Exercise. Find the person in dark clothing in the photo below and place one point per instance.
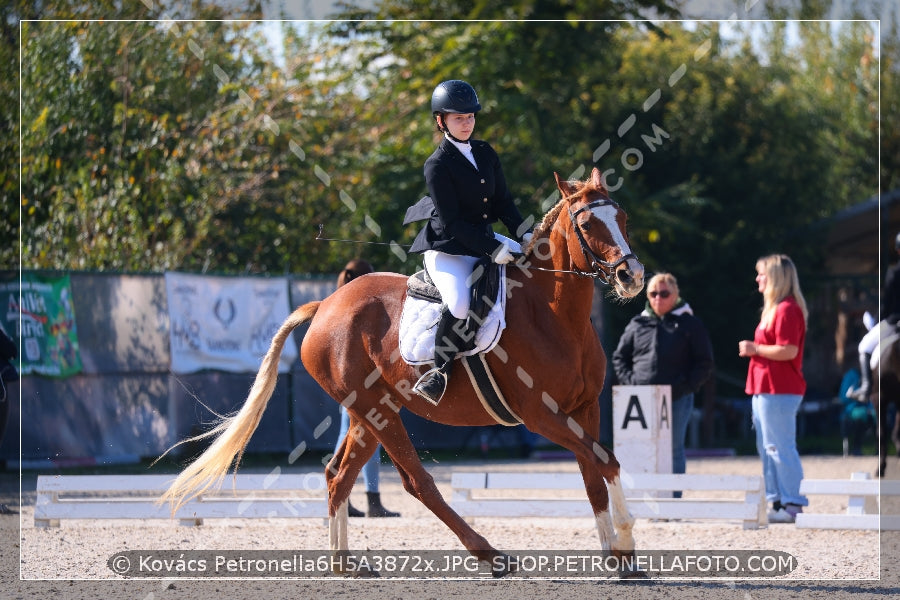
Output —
(890, 297)
(666, 345)
(8, 375)
(467, 193)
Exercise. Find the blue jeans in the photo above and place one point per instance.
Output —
(371, 468)
(681, 417)
(775, 422)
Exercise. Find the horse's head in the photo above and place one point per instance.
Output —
(600, 245)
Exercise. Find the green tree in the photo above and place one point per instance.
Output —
(111, 132)
(721, 150)
(148, 148)
(889, 63)
(747, 163)
(538, 104)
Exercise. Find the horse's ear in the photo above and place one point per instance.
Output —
(597, 180)
(562, 184)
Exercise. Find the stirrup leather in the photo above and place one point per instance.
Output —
(432, 385)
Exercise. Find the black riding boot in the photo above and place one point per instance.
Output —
(447, 343)
(865, 378)
(375, 507)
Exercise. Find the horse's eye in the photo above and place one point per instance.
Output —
(585, 226)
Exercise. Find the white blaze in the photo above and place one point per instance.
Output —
(607, 214)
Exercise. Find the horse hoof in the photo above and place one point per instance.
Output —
(633, 574)
(364, 573)
(502, 567)
(346, 564)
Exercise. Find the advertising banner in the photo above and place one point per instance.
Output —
(41, 311)
(226, 323)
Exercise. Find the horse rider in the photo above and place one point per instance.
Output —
(467, 193)
(890, 315)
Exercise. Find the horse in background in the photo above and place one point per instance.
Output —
(549, 364)
(885, 393)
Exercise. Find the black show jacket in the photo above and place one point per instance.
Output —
(464, 202)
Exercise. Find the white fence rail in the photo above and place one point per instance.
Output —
(275, 495)
(504, 494)
(863, 503)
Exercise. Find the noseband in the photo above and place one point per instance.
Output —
(600, 269)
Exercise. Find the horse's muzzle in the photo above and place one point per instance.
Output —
(629, 278)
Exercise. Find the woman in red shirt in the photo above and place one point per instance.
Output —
(775, 381)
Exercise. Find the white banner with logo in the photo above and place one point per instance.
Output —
(226, 323)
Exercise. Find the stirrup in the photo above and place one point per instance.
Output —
(432, 385)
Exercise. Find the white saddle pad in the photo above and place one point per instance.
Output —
(420, 318)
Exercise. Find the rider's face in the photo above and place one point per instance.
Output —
(460, 126)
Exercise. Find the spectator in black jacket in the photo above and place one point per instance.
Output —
(372, 469)
(8, 375)
(666, 345)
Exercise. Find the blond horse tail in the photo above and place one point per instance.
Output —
(233, 432)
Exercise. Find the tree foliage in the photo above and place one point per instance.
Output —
(192, 145)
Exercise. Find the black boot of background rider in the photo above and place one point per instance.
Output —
(354, 512)
(375, 507)
(865, 377)
(447, 342)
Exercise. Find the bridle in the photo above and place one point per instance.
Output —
(600, 269)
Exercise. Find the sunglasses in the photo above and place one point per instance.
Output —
(662, 294)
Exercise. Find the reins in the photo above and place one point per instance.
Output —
(325, 239)
(597, 264)
(320, 237)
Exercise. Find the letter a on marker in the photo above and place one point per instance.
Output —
(664, 413)
(634, 412)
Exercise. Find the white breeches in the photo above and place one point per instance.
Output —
(870, 341)
(450, 273)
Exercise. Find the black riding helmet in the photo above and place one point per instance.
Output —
(454, 96)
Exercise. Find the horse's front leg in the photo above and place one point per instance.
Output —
(615, 524)
(601, 473)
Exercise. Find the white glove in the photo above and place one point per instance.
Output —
(503, 255)
(526, 238)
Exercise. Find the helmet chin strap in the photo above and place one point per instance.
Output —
(454, 138)
(446, 131)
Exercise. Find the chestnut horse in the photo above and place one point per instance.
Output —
(549, 364)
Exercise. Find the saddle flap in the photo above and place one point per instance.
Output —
(484, 290)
